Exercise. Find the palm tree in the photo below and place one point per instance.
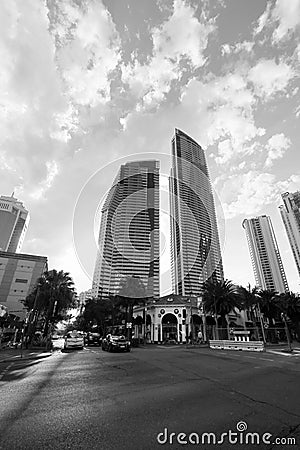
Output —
(220, 298)
(270, 305)
(52, 296)
(290, 305)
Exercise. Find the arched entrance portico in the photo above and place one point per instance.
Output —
(169, 327)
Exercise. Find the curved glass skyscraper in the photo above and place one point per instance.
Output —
(129, 231)
(195, 245)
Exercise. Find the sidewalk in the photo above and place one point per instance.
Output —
(11, 354)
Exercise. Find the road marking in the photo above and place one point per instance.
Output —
(252, 357)
(169, 346)
(2, 374)
(279, 353)
(267, 359)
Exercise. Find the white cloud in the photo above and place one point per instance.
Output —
(276, 147)
(89, 50)
(182, 35)
(283, 17)
(269, 78)
(249, 193)
(263, 19)
(246, 46)
(287, 13)
(180, 38)
(52, 171)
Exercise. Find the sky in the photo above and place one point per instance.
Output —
(88, 85)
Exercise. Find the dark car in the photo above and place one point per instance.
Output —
(113, 343)
(93, 339)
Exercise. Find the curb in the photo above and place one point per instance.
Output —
(18, 357)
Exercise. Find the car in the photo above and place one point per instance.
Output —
(74, 339)
(113, 343)
(93, 338)
(57, 341)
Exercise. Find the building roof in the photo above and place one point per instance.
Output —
(22, 256)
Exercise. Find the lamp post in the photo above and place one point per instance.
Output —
(287, 332)
(216, 319)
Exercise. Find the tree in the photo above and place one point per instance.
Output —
(220, 298)
(290, 306)
(270, 306)
(97, 312)
(132, 292)
(52, 296)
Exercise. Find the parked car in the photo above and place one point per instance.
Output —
(93, 339)
(113, 343)
(57, 341)
(74, 339)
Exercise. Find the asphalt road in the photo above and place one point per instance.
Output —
(91, 399)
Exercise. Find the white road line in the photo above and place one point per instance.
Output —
(267, 359)
(5, 370)
(279, 353)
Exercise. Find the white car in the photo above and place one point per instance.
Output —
(74, 339)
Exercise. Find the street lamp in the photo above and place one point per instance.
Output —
(287, 331)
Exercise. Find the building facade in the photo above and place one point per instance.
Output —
(18, 275)
(14, 219)
(195, 245)
(264, 252)
(175, 319)
(290, 214)
(128, 242)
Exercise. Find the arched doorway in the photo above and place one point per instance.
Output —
(138, 327)
(169, 327)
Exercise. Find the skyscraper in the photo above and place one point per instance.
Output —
(195, 246)
(129, 231)
(14, 220)
(290, 213)
(265, 257)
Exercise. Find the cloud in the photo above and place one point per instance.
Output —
(287, 13)
(181, 38)
(249, 193)
(276, 147)
(32, 105)
(263, 19)
(238, 47)
(269, 78)
(88, 49)
(283, 17)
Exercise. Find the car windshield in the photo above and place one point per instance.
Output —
(118, 338)
(74, 334)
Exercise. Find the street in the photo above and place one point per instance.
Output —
(90, 399)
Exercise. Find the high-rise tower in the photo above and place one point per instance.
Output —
(129, 231)
(264, 252)
(195, 245)
(290, 213)
(14, 220)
